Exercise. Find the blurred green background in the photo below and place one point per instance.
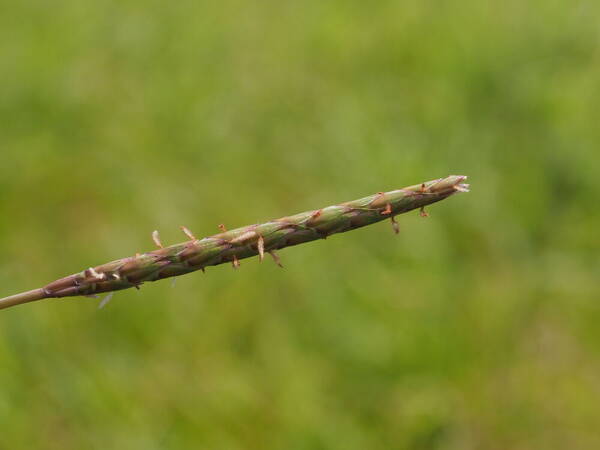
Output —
(474, 329)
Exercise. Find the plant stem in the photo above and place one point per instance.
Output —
(24, 297)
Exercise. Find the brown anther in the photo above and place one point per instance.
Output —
(261, 248)
(276, 258)
(422, 212)
(395, 225)
(235, 262)
(188, 233)
(423, 188)
(156, 239)
(222, 227)
(387, 210)
(203, 269)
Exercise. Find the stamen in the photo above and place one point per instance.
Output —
(395, 225)
(261, 248)
(156, 239)
(105, 300)
(96, 275)
(188, 233)
(276, 258)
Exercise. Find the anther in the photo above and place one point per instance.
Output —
(261, 248)
(378, 196)
(156, 239)
(276, 258)
(423, 213)
(316, 214)
(461, 187)
(395, 225)
(105, 300)
(387, 210)
(235, 262)
(222, 227)
(188, 233)
(96, 275)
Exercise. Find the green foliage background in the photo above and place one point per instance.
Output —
(474, 329)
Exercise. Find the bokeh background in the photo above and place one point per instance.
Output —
(477, 328)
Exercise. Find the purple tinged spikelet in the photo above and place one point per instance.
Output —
(234, 245)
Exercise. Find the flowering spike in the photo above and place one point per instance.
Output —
(156, 239)
(245, 242)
